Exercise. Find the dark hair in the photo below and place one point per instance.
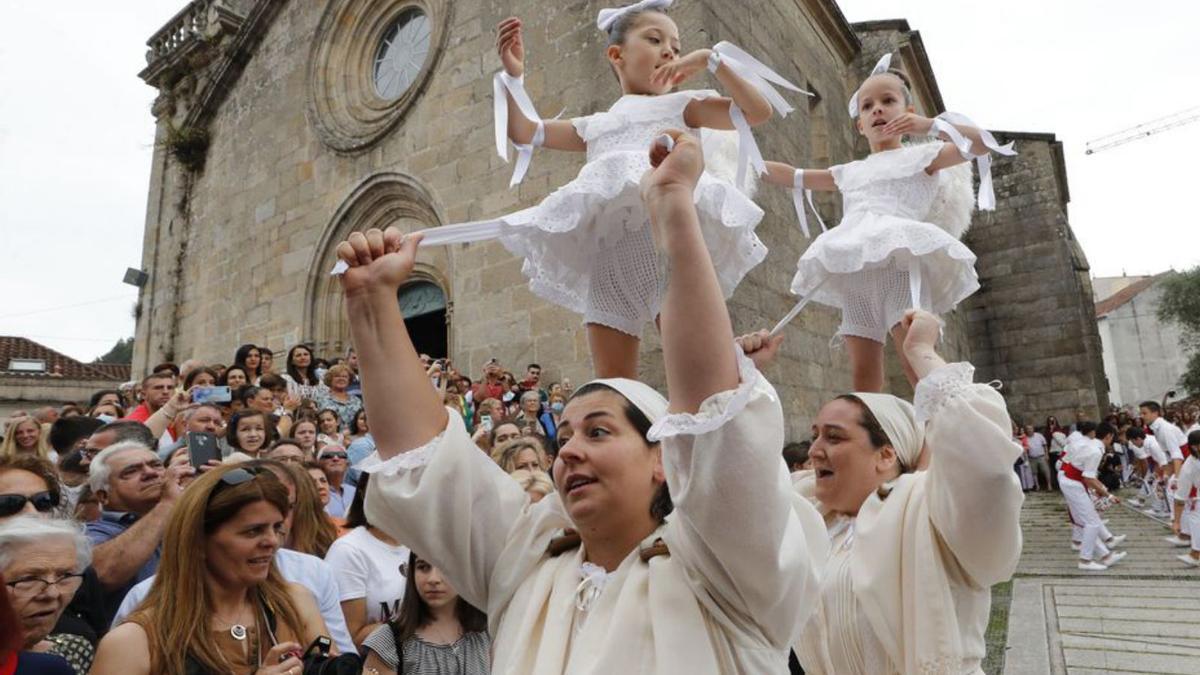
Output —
(1138, 432)
(247, 393)
(661, 505)
(245, 413)
(309, 374)
(191, 376)
(272, 381)
(1104, 429)
(626, 22)
(796, 454)
(356, 515)
(875, 432)
(414, 613)
(265, 351)
(166, 367)
(354, 428)
(96, 396)
(67, 431)
(1152, 406)
(532, 365)
(286, 440)
(1193, 442)
(158, 375)
(129, 430)
(1085, 427)
(239, 360)
(224, 379)
(42, 468)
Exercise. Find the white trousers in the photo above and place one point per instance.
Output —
(1092, 533)
(1189, 523)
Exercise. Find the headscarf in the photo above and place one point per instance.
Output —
(643, 397)
(899, 422)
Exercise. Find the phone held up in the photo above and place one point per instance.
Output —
(202, 448)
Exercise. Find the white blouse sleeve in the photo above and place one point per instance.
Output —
(737, 527)
(974, 496)
(452, 504)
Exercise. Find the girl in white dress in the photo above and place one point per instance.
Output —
(721, 584)
(923, 513)
(886, 256)
(588, 245)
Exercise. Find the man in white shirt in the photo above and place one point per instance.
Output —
(300, 568)
(1039, 459)
(1169, 436)
(1078, 475)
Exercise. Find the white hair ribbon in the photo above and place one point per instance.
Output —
(798, 196)
(944, 123)
(609, 16)
(881, 66)
(501, 83)
(748, 152)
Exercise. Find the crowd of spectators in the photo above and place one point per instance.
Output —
(134, 525)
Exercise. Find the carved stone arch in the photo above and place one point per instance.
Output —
(378, 201)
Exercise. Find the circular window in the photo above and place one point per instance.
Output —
(370, 61)
(401, 54)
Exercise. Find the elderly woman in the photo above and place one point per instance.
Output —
(336, 397)
(634, 591)
(228, 610)
(521, 453)
(907, 588)
(43, 561)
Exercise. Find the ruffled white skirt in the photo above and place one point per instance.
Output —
(874, 267)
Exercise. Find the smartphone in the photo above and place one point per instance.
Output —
(211, 395)
(202, 448)
(486, 422)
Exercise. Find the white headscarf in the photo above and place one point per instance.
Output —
(643, 397)
(899, 422)
(607, 17)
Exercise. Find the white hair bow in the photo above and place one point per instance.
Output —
(880, 67)
(609, 16)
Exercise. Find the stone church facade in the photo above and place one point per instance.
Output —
(274, 142)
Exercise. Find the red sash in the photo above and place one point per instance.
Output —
(1072, 472)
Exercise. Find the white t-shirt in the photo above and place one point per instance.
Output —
(1169, 437)
(366, 567)
(1037, 445)
(1156, 452)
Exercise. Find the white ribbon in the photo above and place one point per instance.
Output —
(608, 17)
(798, 195)
(514, 86)
(796, 309)
(881, 66)
(594, 581)
(944, 123)
(748, 152)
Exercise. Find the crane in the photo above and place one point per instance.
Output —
(1143, 130)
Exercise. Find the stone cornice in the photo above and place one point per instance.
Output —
(832, 24)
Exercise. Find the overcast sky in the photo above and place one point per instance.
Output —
(76, 135)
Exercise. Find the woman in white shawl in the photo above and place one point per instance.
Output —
(721, 585)
(923, 511)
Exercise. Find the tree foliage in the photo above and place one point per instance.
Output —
(122, 352)
(1180, 304)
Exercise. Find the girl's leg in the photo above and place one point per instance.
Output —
(866, 363)
(899, 332)
(614, 354)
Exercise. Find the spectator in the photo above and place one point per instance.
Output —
(533, 381)
(303, 380)
(367, 562)
(266, 364)
(108, 411)
(437, 631)
(315, 472)
(1039, 457)
(137, 495)
(203, 611)
(333, 461)
(795, 456)
(234, 377)
(521, 453)
(249, 359)
(359, 428)
(24, 436)
(311, 529)
(156, 391)
(490, 386)
(72, 476)
(536, 483)
(14, 660)
(286, 450)
(71, 433)
(46, 415)
(250, 431)
(503, 433)
(202, 376)
(105, 396)
(305, 433)
(329, 428)
(531, 416)
(43, 561)
(335, 397)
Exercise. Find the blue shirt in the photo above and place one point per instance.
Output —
(339, 504)
(111, 525)
(360, 449)
(306, 570)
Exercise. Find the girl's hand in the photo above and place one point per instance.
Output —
(760, 347)
(679, 70)
(377, 260)
(908, 123)
(511, 46)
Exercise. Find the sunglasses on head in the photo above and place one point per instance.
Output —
(334, 455)
(12, 504)
(243, 474)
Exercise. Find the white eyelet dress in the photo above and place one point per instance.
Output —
(885, 257)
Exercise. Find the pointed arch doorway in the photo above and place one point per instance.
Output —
(423, 304)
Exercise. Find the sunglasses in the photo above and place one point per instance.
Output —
(334, 455)
(234, 478)
(12, 504)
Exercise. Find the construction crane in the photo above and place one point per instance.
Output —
(1143, 130)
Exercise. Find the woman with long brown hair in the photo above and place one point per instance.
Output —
(312, 531)
(218, 603)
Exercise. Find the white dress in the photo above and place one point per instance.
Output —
(727, 598)
(885, 257)
(907, 588)
(588, 245)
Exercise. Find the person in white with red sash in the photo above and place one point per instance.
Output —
(1078, 474)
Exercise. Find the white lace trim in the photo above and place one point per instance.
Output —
(405, 461)
(715, 411)
(938, 388)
